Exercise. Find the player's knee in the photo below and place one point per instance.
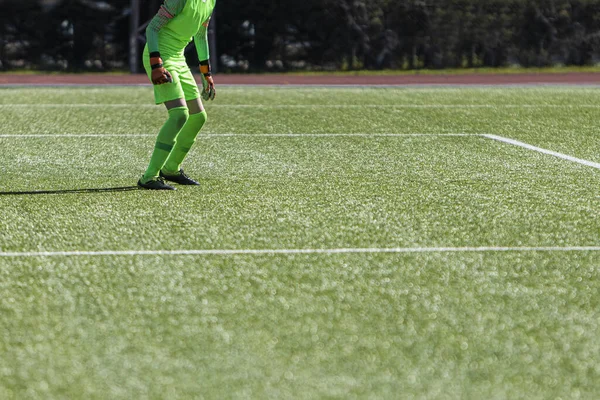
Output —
(179, 115)
(181, 118)
(199, 118)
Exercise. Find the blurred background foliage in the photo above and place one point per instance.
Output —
(283, 35)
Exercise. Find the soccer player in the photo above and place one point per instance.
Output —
(168, 34)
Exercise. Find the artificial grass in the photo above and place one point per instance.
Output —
(479, 324)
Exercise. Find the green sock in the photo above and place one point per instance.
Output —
(165, 141)
(185, 140)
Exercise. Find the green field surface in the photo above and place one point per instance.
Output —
(352, 243)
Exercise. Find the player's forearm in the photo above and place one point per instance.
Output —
(201, 42)
(152, 39)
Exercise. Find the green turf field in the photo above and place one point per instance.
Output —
(345, 243)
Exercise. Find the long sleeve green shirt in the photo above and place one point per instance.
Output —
(177, 23)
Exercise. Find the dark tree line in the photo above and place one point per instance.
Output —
(317, 34)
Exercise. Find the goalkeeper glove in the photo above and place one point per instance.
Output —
(208, 84)
(159, 74)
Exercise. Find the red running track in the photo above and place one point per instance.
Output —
(284, 79)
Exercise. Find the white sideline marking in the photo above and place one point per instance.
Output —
(77, 135)
(71, 135)
(226, 252)
(218, 135)
(365, 135)
(112, 105)
(544, 151)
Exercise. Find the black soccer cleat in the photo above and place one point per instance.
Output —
(155, 184)
(179, 178)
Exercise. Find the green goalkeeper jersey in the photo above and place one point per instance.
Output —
(176, 24)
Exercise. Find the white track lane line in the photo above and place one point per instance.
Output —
(228, 252)
(544, 151)
(239, 135)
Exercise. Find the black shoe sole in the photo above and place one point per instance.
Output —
(179, 180)
(155, 185)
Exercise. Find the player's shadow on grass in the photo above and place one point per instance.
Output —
(92, 190)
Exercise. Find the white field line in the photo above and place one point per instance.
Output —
(306, 135)
(228, 252)
(275, 106)
(544, 151)
(76, 135)
(238, 135)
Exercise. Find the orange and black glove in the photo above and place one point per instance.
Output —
(208, 84)
(159, 74)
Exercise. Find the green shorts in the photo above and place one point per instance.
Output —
(184, 85)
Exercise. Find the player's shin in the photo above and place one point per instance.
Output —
(165, 141)
(185, 140)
